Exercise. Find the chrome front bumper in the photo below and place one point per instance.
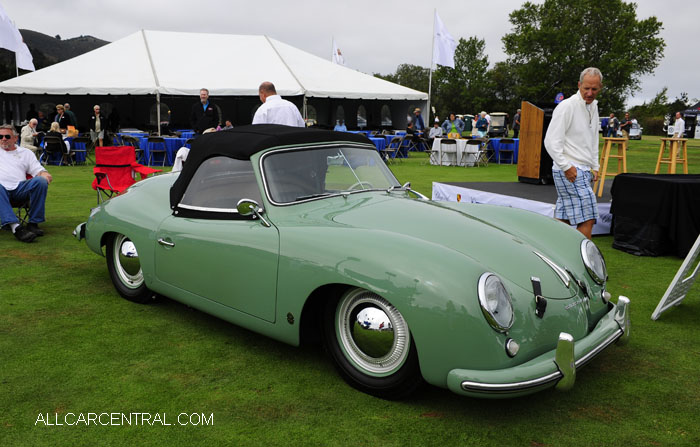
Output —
(555, 368)
(79, 231)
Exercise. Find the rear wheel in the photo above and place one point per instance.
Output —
(371, 345)
(125, 269)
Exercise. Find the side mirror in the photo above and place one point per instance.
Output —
(249, 207)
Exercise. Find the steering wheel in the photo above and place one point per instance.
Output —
(361, 183)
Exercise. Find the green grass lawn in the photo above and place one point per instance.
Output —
(70, 344)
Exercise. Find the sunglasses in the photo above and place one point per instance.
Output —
(6, 136)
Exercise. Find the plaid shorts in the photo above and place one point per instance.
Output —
(576, 202)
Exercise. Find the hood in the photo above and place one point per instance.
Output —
(494, 247)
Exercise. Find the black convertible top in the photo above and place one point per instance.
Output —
(242, 142)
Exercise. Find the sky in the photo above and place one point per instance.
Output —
(375, 36)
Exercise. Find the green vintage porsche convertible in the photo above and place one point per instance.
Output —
(290, 232)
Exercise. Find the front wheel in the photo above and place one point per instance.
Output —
(125, 269)
(371, 345)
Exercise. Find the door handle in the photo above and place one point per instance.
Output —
(162, 241)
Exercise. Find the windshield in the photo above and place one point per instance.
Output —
(305, 174)
(498, 120)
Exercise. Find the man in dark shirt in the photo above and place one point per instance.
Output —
(626, 126)
(205, 113)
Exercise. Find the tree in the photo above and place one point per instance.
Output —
(462, 89)
(411, 76)
(501, 84)
(553, 42)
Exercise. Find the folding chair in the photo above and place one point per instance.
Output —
(510, 142)
(80, 146)
(21, 207)
(128, 140)
(153, 142)
(55, 145)
(448, 146)
(480, 147)
(115, 170)
(432, 156)
(391, 151)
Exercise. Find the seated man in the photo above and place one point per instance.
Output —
(15, 164)
(29, 134)
(435, 132)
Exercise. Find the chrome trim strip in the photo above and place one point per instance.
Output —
(597, 350)
(510, 387)
(204, 208)
(561, 273)
(368, 146)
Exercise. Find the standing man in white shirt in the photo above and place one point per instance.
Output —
(275, 110)
(679, 126)
(572, 142)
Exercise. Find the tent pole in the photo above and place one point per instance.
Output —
(304, 108)
(432, 56)
(158, 111)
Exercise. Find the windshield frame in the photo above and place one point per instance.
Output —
(320, 146)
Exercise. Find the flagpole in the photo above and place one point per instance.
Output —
(432, 56)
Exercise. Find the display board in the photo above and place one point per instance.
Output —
(682, 282)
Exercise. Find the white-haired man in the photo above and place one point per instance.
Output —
(572, 142)
(28, 135)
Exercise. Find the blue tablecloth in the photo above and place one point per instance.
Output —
(380, 143)
(495, 144)
(186, 133)
(172, 144)
(79, 156)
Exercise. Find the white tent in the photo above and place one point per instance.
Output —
(176, 63)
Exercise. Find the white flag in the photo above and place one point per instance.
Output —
(445, 45)
(11, 39)
(24, 58)
(337, 57)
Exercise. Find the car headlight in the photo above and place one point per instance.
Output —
(594, 262)
(495, 302)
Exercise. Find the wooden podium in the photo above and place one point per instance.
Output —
(534, 163)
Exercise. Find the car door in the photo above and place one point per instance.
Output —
(207, 249)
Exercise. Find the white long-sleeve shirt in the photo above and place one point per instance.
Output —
(679, 128)
(276, 110)
(572, 135)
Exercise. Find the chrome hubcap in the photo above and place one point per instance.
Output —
(372, 333)
(126, 262)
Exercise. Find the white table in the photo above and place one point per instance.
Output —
(466, 154)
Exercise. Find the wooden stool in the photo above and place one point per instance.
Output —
(673, 155)
(605, 157)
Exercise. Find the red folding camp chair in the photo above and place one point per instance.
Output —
(115, 170)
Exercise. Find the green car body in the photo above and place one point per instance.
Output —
(425, 258)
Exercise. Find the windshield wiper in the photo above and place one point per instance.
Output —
(313, 196)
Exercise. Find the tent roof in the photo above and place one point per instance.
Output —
(177, 63)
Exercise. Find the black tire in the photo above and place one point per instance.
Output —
(376, 356)
(125, 269)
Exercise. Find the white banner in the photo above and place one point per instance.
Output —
(445, 45)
